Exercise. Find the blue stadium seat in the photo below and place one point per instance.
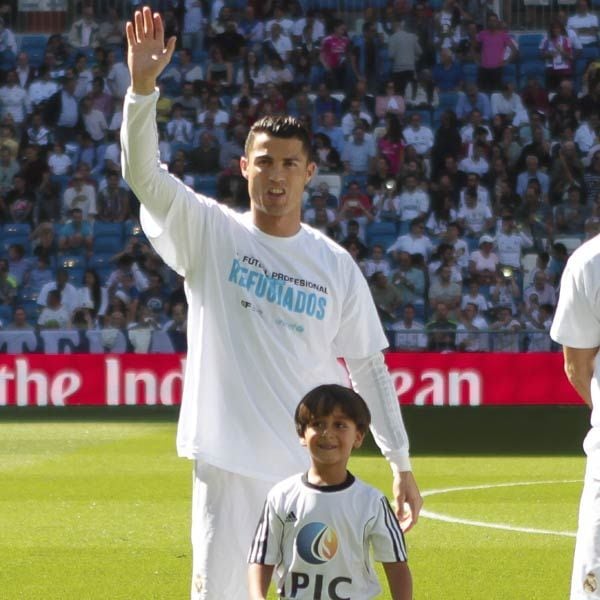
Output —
(16, 230)
(383, 233)
(112, 230)
(590, 52)
(107, 245)
(448, 100)
(581, 65)
(32, 310)
(6, 314)
(470, 73)
(528, 68)
(102, 264)
(206, 185)
(509, 74)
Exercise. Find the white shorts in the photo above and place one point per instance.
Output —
(226, 508)
(585, 582)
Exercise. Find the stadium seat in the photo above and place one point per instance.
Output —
(102, 264)
(590, 52)
(6, 314)
(383, 233)
(448, 100)
(16, 230)
(112, 230)
(509, 74)
(107, 245)
(206, 185)
(571, 243)
(470, 73)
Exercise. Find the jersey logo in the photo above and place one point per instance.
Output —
(291, 517)
(317, 543)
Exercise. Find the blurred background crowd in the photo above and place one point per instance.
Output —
(458, 158)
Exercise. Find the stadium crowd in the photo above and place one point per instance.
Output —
(458, 161)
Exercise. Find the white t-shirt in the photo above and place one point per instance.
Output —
(475, 217)
(474, 338)
(412, 336)
(421, 138)
(59, 164)
(510, 247)
(482, 262)
(577, 319)
(413, 245)
(412, 204)
(577, 22)
(268, 316)
(307, 530)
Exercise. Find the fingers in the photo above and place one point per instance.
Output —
(129, 31)
(159, 33)
(139, 26)
(148, 23)
(170, 47)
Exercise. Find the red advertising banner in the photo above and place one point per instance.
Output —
(156, 379)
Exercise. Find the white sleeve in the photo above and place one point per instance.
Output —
(386, 537)
(371, 379)
(266, 544)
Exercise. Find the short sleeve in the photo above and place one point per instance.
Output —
(360, 333)
(577, 320)
(266, 545)
(386, 537)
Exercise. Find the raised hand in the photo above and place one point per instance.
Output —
(147, 54)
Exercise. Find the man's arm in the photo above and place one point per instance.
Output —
(259, 578)
(372, 380)
(579, 368)
(399, 579)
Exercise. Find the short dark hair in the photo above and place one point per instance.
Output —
(322, 401)
(280, 126)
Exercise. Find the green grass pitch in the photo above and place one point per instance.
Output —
(94, 504)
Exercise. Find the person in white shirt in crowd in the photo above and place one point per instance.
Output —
(279, 42)
(507, 102)
(59, 162)
(473, 184)
(584, 23)
(587, 135)
(474, 296)
(42, 88)
(443, 289)
(467, 132)
(359, 155)
(413, 202)
(475, 217)
(354, 118)
(543, 291)
(68, 292)
(25, 72)
(54, 315)
(317, 27)
(192, 36)
(532, 172)
(93, 295)
(538, 317)
(80, 195)
(186, 70)
(418, 135)
(471, 332)
(461, 248)
(377, 261)
(506, 291)
(506, 329)
(214, 109)
(318, 203)
(280, 18)
(483, 262)
(414, 242)
(84, 31)
(118, 78)
(14, 100)
(510, 241)
(179, 129)
(408, 333)
(385, 202)
(8, 44)
(275, 71)
(476, 161)
(94, 120)
(444, 256)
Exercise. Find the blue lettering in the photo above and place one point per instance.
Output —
(242, 279)
(279, 292)
(311, 305)
(235, 269)
(300, 302)
(261, 286)
(322, 303)
(250, 281)
(288, 299)
(272, 291)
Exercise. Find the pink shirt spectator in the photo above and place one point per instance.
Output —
(493, 45)
(393, 152)
(333, 50)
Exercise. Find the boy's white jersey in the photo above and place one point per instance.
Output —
(319, 538)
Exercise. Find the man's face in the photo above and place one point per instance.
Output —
(20, 317)
(540, 281)
(469, 312)
(409, 314)
(277, 171)
(472, 182)
(442, 311)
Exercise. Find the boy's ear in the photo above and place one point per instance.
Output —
(360, 436)
(302, 441)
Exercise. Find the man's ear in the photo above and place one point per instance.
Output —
(244, 166)
(311, 169)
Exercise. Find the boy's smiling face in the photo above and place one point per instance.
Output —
(330, 439)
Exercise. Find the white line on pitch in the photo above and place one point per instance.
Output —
(503, 526)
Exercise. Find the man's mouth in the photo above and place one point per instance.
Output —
(276, 191)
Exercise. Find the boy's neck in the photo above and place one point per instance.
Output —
(322, 475)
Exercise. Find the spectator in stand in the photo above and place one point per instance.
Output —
(507, 102)
(232, 188)
(591, 178)
(101, 100)
(9, 167)
(389, 103)
(319, 215)
(8, 45)
(567, 171)
(365, 57)
(54, 315)
(484, 262)
(535, 211)
(506, 328)
(444, 289)
(326, 156)
(408, 334)
(471, 332)
(590, 101)
(335, 55)
(176, 327)
(19, 322)
(541, 290)
(448, 73)
(539, 318)
(385, 202)
(76, 234)
(584, 23)
(59, 162)
(413, 203)
(387, 298)
(80, 195)
(19, 202)
(570, 217)
(214, 109)
(453, 238)
(353, 237)
(42, 88)
(474, 216)
(218, 69)
(112, 28)
(391, 144)
(532, 172)
(39, 275)
(470, 100)
(117, 78)
(534, 96)
(68, 292)
(94, 121)
(556, 49)
(8, 285)
(588, 133)
(275, 72)
(356, 206)
(179, 129)
(441, 330)
(475, 162)
(155, 297)
(510, 242)
(85, 30)
(469, 131)
(25, 72)
(422, 93)
(405, 51)
(418, 135)
(376, 263)
(113, 201)
(558, 261)
(18, 264)
(414, 242)
(14, 100)
(358, 156)
(93, 296)
(204, 158)
(44, 242)
(493, 44)
(37, 133)
(356, 116)
(325, 102)
(474, 296)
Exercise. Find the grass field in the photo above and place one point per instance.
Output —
(94, 504)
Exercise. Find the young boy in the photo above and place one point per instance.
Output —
(317, 527)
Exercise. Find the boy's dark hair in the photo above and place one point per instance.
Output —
(280, 126)
(321, 402)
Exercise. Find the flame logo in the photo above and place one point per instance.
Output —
(317, 543)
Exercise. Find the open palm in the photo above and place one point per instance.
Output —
(147, 54)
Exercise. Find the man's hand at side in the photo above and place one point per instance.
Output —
(405, 490)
